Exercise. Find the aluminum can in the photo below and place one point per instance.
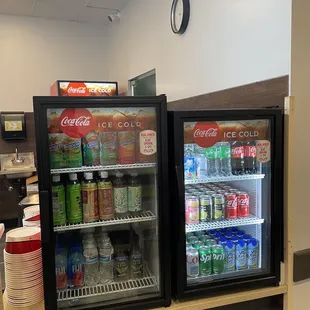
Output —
(191, 210)
(205, 206)
(218, 207)
(218, 259)
(192, 262)
(243, 205)
(231, 206)
(198, 244)
(205, 261)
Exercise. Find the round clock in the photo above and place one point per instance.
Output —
(179, 17)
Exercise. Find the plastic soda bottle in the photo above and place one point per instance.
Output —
(90, 198)
(189, 162)
(213, 161)
(241, 255)
(134, 194)
(74, 200)
(59, 201)
(105, 196)
(76, 267)
(253, 253)
(120, 195)
(225, 160)
(61, 269)
(201, 161)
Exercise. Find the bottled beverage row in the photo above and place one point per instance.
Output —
(93, 258)
(220, 251)
(222, 159)
(105, 148)
(215, 202)
(91, 199)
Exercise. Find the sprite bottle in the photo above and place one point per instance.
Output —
(59, 201)
(74, 200)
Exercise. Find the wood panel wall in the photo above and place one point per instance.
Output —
(256, 95)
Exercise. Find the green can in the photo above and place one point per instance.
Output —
(211, 242)
(199, 233)
(192, 239)
(205, 208)
(218, 259)
(59, 201)
(204, 238)
(218, 207)
(198, 244)
(188, 235)
(74, 200)
(205, 257)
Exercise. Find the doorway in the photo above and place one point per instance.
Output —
(143, 85)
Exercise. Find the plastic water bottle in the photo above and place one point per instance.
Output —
(189, 162)
(76, 267)
(61, 269)
(213, 161)
(225, 161)
(200, 161)
(91, 265)
(106, 262)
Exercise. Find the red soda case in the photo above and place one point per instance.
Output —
(243, 204)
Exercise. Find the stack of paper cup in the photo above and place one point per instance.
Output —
(23, 267)
(32, 216)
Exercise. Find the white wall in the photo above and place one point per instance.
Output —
(228, 43)
(36, 52)
(300, 67)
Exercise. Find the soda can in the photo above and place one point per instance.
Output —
(205, 206)
(241, 255)
(189, 234)
(218, 259)
(230, 257)
(253, 253)
(198, 244)
(246, 238)
(231, 206)
(192, 262)
(205, 257)
(192, 239)
(199, 233)
(191, 210)
(218, 207)
(243, 205)
(204, 238)
(208, 192)
(197, 193)
(211, 242)
(221, 191)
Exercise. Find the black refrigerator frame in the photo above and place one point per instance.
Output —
(176, 119)
(41, 104)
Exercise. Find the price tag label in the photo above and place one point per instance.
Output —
(263, 151)
(148, 142)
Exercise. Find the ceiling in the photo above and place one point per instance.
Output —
(89, 11)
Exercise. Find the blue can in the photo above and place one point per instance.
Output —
(246, 238)
(253, 253)
(230, 256)
(241, 255)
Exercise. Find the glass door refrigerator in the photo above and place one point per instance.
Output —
(103, 180)
(226, 168)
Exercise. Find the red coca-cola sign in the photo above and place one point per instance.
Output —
(206, 134)
(77, 89)
(76, 123)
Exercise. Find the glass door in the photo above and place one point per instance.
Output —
(228, 192)
(105, 204)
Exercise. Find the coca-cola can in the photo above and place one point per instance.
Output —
(243, 205)
(231, 202)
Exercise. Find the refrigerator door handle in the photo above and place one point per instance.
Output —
(44, 215)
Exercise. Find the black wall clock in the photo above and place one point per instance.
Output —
(179, 17)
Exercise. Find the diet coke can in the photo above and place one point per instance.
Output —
(243, 204)
(231, 206)
(192, 262)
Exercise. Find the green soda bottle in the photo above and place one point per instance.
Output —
(74, 200)
(59, 201)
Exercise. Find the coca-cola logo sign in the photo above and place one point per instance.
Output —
(206, 134)
(77, 89)
(76, 123)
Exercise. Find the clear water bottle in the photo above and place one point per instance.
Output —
(106, 262)
(201, 162)
(91, 263)
(225, 160)
(61, 269)
(213, 160)
(189, 162)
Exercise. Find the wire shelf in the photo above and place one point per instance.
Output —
(226, 179)
(142, 217)
(224, 224)
(99, 168)
(102, 289)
